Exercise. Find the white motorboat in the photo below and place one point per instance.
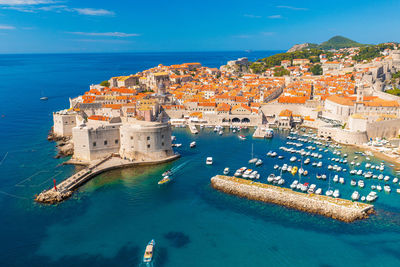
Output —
(259, 162)
(336, 193)
(276, 166)
(318, 191)
(387, 188)
(395, 180)
(271, 178)
(319, 164)
(193, 144)
(360, 183)
(329, 192)
(380, 177)
(355, 195)
(247, 173)
(373, 187)
(294, 184)
(284, 167)
(372, 196)
(292, 159)
(307, 161)
(341, 180)
(253, 160)
(226, 170)
(209, 161)
(386, 178)
(336, 178)
(379, 188)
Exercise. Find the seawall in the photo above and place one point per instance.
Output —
(335, 208)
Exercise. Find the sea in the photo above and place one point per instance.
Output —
(110, 219)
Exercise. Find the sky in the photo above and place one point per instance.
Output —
(83, 26)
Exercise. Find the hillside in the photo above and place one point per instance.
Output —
(338, 42)
(335, 42)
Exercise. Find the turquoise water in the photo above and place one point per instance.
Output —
(110, 219)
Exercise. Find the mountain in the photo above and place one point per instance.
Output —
(335, 42)
(338, 42)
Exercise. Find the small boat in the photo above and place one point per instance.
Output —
(220, 132)
(226, 170)
(336, 178)
(372, 196)
(360, 183)
(259, 162)
(294, 170)
(292, 159)
(307, 161)
(305, 173)
(164, 180)
(319, 164)
(276, 166)
(167, 173)
(253, 160)
(363, 198)
(242, 137)
(373, 187)
(280, 157)
(329, 192)
(319, 176)
(387, 188)
(336, 193)
(341, 180)
(387, 178)
(148, 254)
(318, 191)
(355, 195)
(44, 98)
(395, 180)
(271, 178)
(209, 161)
(284, 167)
(247, 173)
(353, 182)
(379, 188)
(193, 144)
(294, 184)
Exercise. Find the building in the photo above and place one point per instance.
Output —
(64, 121)
(141, 141)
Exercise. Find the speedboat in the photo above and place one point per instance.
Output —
(380, 177)
(209, 161)
(253, 160)
(292, 159)
(355, 195)
(164, 180)
(259, 162)
(226, 170)
(247, 173)
(280, 157)
(379, 188)
(148, 254)
(336, 193)
(271, 178)
(284, 167)
(307, 161)
(319, 164)
(329, 192)
(294, 170)
(360, 183)
(387, 188)
(387, 178)
(336, 178)
(318, 191)
(341, 180)
(311, 189)
(167, 173)
(44, 98)
(276, 166)
(242, 137)
(372, 196)
(294, 184)
(395, 180)
(193, 144)
(353, 182)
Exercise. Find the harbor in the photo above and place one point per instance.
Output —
(335, 208)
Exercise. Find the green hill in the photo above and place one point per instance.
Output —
(338, 42)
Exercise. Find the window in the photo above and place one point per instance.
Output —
(105, 142)
(116, 141)
(94, 143)
(162, 136)
(148, 146)
(148, 137)
(162, 143)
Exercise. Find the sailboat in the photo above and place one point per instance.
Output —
(44, 98)
(253, 159)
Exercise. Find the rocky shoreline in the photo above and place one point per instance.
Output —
(338, 209)
(64, 145)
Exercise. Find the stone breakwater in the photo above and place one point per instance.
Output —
(335, 208)
(66, 187)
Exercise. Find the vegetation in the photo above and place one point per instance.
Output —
(316, 69)
(105, 83)
(394, 91)
(275, 60)
(370, 52)
(280, 71)
(257, 67)
(338, 42)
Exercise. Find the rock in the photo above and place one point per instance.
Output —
(298, 47)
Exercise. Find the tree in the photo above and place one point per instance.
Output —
(316, 69)
(280, 71)
(105, 83)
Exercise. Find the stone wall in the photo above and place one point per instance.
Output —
(343, 136)
(386, 128)
(63, 123)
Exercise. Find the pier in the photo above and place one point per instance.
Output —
(193, 129)
(335, 208)
(65, 188)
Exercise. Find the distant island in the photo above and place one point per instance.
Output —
(336, 42)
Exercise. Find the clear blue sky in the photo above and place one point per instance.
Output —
(37, 26)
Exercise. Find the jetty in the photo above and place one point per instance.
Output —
(65, 189)
(193, 129)
(335, 208)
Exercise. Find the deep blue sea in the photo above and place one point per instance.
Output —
(109, 220)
